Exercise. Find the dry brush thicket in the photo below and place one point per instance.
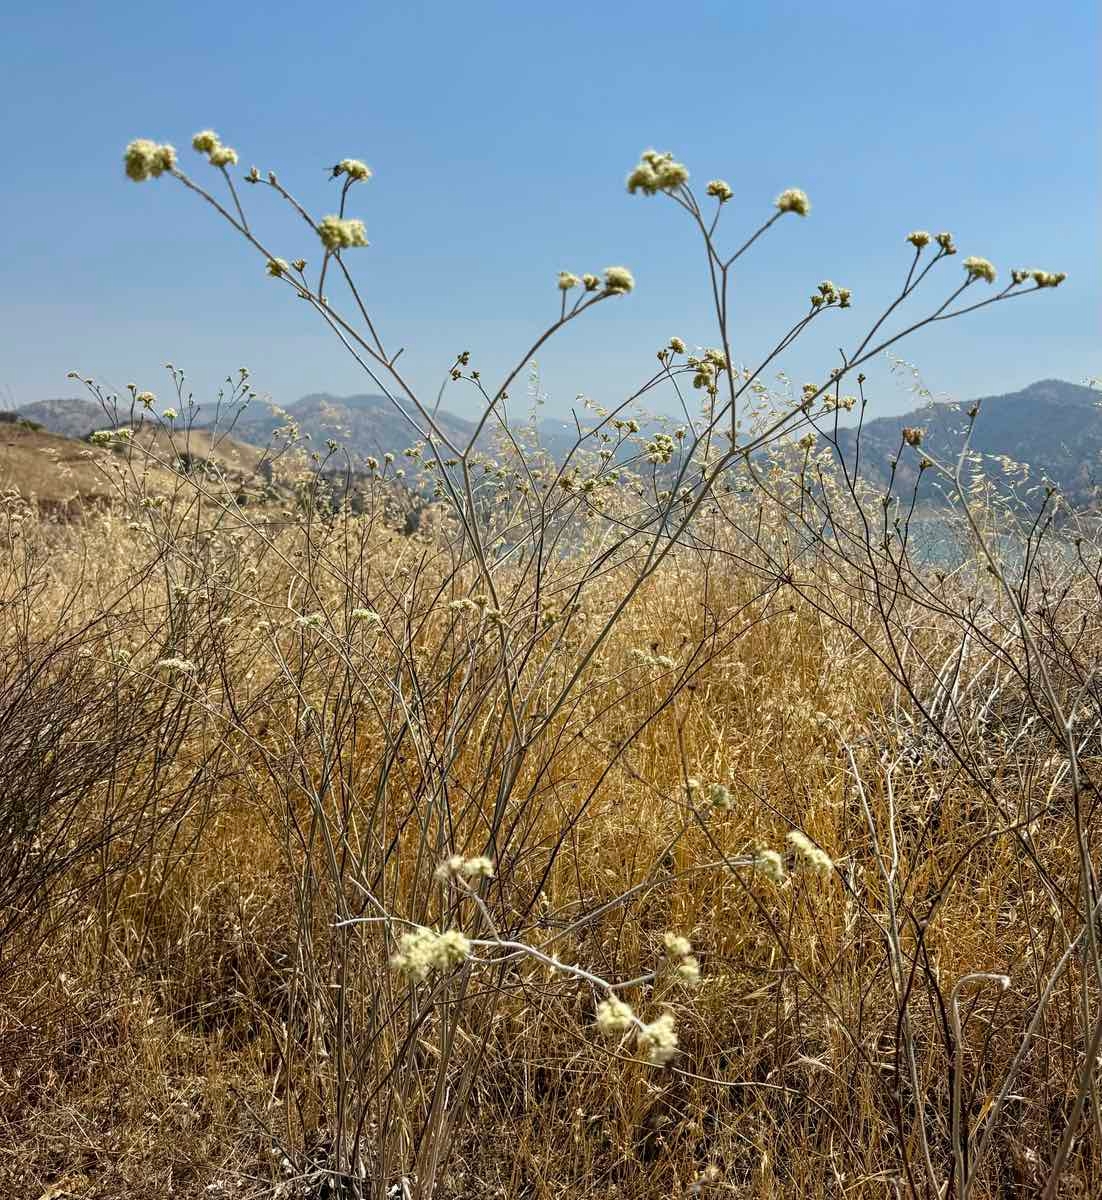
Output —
(650, 823)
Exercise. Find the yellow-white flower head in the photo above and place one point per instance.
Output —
(146, 160)
(721, 189)
(618, 280)
(568, 281)
(919, 238)
(655, 173)
(659, 1039)
(591, 282)
(980, 268)
(1048, 278)
(337, 233)
(223, 156)
(181, 665)
(793, 200)
(421, 950)
(817, 859)
(353, 168)
(688, 971)
(771, 865)
(676, 945)
(677, 345)
(278, 267)
(205, 141)
(614, 1016)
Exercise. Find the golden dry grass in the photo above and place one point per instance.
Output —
(188, 1021)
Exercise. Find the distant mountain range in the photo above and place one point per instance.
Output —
(1053, 426)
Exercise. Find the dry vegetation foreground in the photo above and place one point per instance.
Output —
(237, 751)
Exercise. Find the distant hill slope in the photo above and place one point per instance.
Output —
(69, 416)
(1053, 426)
(364, 424)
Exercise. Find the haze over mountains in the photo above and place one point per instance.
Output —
(1053, 426)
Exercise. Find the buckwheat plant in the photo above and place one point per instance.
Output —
(420, 706)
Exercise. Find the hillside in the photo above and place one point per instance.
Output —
(68, 416)
(363, 424)
(64, 473)
(1053, 426)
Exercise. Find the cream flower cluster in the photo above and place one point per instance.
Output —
(617, 281)
(655, 173)
(817, 859)
(104, 437)
(182, 666)
(353, 168)
(455, 866)
(721, 189)
(658, 1039)
(680, 949)
(1040, 278)
(770, 863)
(207, 142)
(980, 268)
(338, 233)
(146, 160)
(828, 294)
(793, 200)
(423, 950)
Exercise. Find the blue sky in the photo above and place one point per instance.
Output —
(500, 135)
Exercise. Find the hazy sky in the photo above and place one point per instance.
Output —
(500, 135)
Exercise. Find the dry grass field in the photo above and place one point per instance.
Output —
(653, 822)
(184, 1014)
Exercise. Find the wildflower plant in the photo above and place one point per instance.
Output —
(436, 889)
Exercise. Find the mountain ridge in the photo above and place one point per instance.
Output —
(1053, 426)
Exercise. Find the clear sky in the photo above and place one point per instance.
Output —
(500, 135)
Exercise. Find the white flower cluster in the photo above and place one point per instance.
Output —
(455, 866)
(655, 173)
(353, 168)
(828, 294)
(646, 659)
(1040, 278)
(337, 233)
(680, 949)
(980, 268)
(146, 160)
(661, 447)
(770, 863)
(658, 1038)
(721, 189)
(182, 666)
(421, 950)
(208, 142)
(793, 200)
(816, 858)
(104, 437)
(617, 280)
